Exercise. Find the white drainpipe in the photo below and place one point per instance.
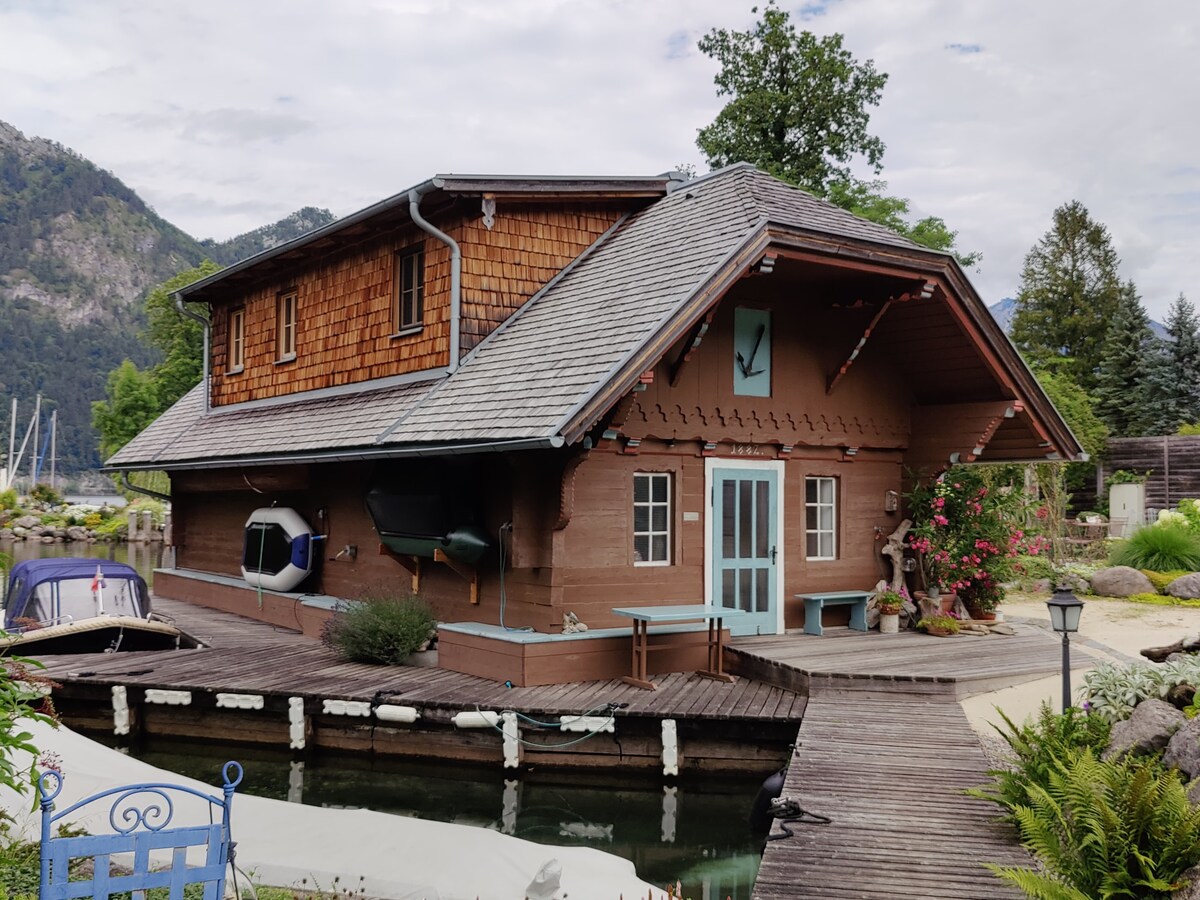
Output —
(414, 211)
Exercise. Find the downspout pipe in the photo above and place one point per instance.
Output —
(414, 211)
(130, 486)
(204, 324)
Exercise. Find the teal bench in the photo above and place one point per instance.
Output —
(815, 602)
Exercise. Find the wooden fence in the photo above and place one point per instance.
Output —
(1173, 462)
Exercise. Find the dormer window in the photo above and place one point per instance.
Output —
(237, 340)
(410, 289)
(285, 328)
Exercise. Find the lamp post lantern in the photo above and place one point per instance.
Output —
(1065, 610)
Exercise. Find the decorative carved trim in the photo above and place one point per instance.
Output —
(691, 344)
(566, 491)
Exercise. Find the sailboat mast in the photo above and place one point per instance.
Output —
(53, 448)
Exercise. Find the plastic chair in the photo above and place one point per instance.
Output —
(141, 819)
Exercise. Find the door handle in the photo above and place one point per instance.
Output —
(773, 555)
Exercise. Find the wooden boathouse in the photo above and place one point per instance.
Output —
(527, 397)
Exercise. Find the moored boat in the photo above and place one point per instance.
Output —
(77, 605)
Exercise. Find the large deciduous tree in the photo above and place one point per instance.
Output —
(798, 109)
(798, 103)
(1122, 387)
(1069, 293)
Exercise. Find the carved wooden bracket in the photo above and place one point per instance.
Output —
(834, 377)
(690, 345)
(566, 491)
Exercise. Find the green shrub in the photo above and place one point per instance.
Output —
(384, 630)
(1111, 691)
(1118, 829)
(9, 502)
(1161, 580)
(1033, 568)
(1036, 746)
(1161, 548)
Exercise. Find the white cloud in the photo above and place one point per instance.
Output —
(226, 115)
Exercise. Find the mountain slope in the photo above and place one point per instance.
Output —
(79, 250)
(1004, 310)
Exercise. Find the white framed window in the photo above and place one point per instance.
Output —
(820, 517)
(286, 326)
(410, 289)
(237, 339)
(652, 518)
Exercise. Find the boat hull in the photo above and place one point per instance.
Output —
(103, 634)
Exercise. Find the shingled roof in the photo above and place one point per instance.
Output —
(544, 375)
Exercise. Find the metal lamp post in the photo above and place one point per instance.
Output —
(1065, 610)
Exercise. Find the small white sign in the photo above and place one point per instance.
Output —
(691, 516)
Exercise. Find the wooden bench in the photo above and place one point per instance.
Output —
(815, 602)
(644, 616)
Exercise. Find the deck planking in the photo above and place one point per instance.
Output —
(962, 665)
(889, 771)
(252, 657)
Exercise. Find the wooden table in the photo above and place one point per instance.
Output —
(644, 616)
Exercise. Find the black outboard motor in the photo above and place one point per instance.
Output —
(761, 818)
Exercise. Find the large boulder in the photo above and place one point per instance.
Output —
(1186, 587)
(1147, 731)
(27, 522)
(1121, 581)
(1183, 749)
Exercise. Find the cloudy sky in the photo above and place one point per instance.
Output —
(227, 114)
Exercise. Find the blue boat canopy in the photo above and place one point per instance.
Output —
(50, 591)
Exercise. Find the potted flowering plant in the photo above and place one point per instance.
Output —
(889, 604)
(968, 529)
(940, 624)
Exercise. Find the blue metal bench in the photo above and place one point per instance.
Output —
(815, 602)
(141, 818)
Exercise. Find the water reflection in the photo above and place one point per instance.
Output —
(145, 557)
(695, 832)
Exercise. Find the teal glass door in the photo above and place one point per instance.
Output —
(746, 547)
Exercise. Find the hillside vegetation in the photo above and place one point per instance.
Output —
(79, 251)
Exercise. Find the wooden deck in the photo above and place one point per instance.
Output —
(909, 662)
(884, 748)
(889, 772)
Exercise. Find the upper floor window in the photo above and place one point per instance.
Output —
(652, 518)
(410, 288)
(237, 340)
(820, 517)
(285, 328)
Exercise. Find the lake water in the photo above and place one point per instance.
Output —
(695, 833)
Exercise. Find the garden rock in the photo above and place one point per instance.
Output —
(1147, 731)
(1121, 581)
(1183, 750)
(1193, 793)
(1191, 885)
(1181, 695)
(1186, 587)
(27, 522)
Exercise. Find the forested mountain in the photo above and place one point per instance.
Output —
(78, 252)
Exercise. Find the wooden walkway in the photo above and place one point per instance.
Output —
(889, 772)
(909, 662)
(255, 658)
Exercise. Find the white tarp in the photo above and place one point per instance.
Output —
(397, 857)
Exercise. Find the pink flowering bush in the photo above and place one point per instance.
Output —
(969, 532)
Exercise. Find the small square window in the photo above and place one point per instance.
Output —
(820, 518)
(286, 326)
(652, 519)
(237, 340)
(410, 288)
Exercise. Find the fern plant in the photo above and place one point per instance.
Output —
(1116, 830)
(1037, 745)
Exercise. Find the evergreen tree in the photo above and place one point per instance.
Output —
(1069, 293)
(1183, 326)
(1121, 386)
(1160, 391)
